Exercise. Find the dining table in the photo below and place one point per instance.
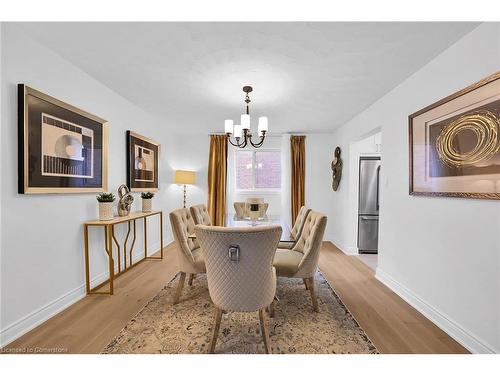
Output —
(241, 221)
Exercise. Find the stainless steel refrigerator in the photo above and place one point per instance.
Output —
(369, 203)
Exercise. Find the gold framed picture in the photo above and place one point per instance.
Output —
(143, 155)
(62, 149)
(454, 144)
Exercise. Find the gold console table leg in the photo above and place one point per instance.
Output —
(109, 238)
(161, 239)
(87, 271)
(109, 246)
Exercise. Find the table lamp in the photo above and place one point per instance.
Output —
(185, 178)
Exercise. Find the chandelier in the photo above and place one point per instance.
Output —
(242, 133)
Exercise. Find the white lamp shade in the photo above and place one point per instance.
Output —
(238, 131)
(228, 126)
(245, 121)
(262, 124)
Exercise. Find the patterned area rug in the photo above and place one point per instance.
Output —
(161, 327)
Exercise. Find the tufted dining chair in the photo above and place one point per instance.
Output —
(297, 227)
(302, 260)
(189, 253)
(240, 272)
(241, 209)
(200, 214)
(263, 209)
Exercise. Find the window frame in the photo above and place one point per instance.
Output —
(255, 189)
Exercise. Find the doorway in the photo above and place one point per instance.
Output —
(368, 148)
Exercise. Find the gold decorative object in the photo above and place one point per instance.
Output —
(484, 124)
(125, 202)
(336, 169)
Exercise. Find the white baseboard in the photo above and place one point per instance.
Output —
(349, 250)
(452, 328)
(42, 314)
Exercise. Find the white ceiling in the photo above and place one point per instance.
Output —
(307, 77)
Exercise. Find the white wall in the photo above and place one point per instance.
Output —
(190, 153)
(42, 263)
(319, 192)
(440, 254)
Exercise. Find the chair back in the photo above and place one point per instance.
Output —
(263, 209)
(200, 214)
(299, 222)
(182, 226)
(241, 209)
(239, 263)
(309, 243)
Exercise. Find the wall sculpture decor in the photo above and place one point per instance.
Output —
(62, 149)
(336, 169)
(455, 144)
(142, 163)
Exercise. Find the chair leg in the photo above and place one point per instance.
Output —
(179, 287)
(305, 283)
(191, 278)
(265, 333)
(312, 290)
(271, 309)
(218, 317)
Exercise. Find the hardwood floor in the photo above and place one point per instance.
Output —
(392, 325)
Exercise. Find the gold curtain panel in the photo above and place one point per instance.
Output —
(217, 176)
(298, 156)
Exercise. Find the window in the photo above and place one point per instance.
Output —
(257, 169)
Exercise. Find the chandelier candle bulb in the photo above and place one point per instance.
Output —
(238, 131)
(262, 124)
(245, 121)
(228, 126)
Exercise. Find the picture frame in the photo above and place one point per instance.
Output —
(454, 144)
(143, 155)
(61, 148)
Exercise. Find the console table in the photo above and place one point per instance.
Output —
(109, 238)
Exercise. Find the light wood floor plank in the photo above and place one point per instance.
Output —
(393, 326)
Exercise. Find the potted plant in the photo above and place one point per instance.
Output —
(147, 201)
(105, 205)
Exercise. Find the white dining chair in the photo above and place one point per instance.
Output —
(302, 260)
(240, 272)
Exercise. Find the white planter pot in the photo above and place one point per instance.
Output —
(105, 210)
(147, 205)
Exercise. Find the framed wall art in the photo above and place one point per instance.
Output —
(142, 162)
(455, 144)
(62, 149)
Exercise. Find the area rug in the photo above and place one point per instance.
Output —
(161, 327)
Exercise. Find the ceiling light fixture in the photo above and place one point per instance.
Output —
(243, 129)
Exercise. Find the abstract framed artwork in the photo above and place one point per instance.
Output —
(62, 149)
(142, 163)
(455, 144)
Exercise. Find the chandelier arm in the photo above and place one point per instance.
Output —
(258, 144)
(229, 139)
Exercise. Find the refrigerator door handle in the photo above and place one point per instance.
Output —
(378, 186)
(369, 217)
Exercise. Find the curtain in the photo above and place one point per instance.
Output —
(298, 169)
(217, 175)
